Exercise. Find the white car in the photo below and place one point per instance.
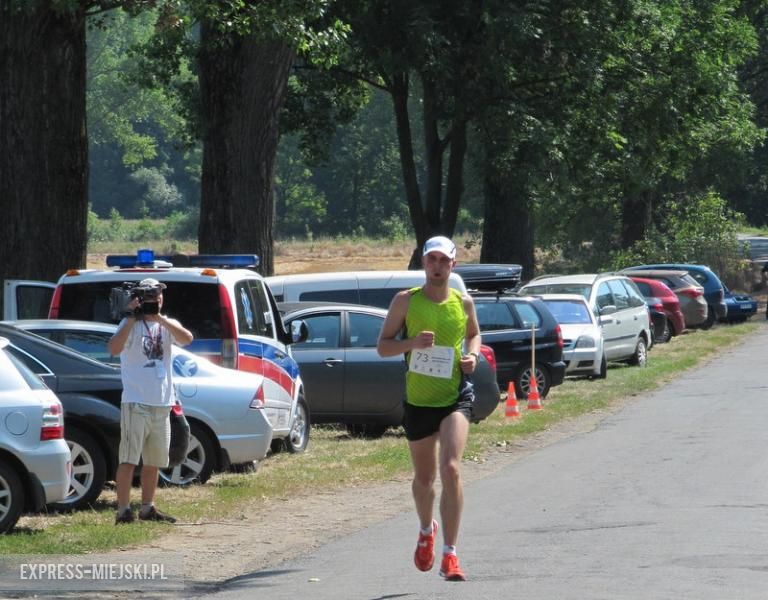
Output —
(35, 463)
(230, 412)
(583, 349)
(616, 302)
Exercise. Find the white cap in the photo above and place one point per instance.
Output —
(150, 282)
(440, 244)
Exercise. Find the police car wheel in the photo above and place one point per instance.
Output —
(199, 463)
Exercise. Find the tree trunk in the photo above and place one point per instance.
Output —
(43, 143)
(636, 212)
(508, 223)
(242, 87)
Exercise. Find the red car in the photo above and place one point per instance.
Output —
(668, 303)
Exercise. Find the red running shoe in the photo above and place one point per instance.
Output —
(450, 568)
(424, 557)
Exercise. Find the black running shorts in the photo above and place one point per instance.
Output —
(420, 422)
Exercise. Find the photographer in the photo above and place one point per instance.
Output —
(143, 341)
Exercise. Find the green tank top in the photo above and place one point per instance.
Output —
(448, 321)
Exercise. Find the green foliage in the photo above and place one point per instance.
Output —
(182, 226)
(159, 198)
(698, 229)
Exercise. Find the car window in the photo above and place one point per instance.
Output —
(364, 330)
(604, 295)
(341, 296)
(569, 312)
(264, 324)
(690, 280)
(645, 289)
(381, 297)
(324, 332)
(195, 305)
(15, 376)
(558, 288)
(635, 297)
(620, 294)
(29, 361)
(33, 301)
(91, 343)
(492, 316)
(528, 315)
(700, 278)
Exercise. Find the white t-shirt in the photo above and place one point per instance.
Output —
(145, 365)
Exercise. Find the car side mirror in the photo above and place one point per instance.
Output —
(608, 310)
(299, 332)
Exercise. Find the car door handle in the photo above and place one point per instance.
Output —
(333, 361)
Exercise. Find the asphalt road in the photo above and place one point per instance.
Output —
(666, 499)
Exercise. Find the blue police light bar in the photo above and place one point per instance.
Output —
(143, 258)
(224, 260)
(147, 258)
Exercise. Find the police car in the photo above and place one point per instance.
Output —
(220, 299)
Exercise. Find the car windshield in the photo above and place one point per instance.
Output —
(558, 288)
(569, 312)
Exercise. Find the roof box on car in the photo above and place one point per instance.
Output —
(489, 277)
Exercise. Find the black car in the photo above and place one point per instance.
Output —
(507, 324)
(659, 324)
(345, 379)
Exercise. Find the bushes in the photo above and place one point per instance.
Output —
(178, 226)
(698, 230)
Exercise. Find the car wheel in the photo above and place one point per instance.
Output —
(640, 357)
(89, 471)
(710, 319)
(523, 381)
(365, 430)
(298, 438)
(199, 462)
(603, 370)
(12, 498)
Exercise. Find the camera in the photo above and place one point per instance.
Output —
(121, 297)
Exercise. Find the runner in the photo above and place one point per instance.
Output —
(437, 323)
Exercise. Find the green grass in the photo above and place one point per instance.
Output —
(335, 460)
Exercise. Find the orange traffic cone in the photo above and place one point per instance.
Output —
(534, 400)
(511, 409)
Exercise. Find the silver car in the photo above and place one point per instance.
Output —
(583, 346)
(35, 463)
(228, 411)
(616, 302)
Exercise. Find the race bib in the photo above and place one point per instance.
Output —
(436, 361)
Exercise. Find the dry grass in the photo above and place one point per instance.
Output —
(312, 256)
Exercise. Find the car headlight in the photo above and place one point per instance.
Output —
(585, 341)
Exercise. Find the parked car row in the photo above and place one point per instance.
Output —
(275, 368)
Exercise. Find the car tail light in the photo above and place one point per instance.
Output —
(489, 356)
(229, 350)
(659, 307)
(53, 311)
(258, 398)
(53, 422)
(559, 334)
(692, 292)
